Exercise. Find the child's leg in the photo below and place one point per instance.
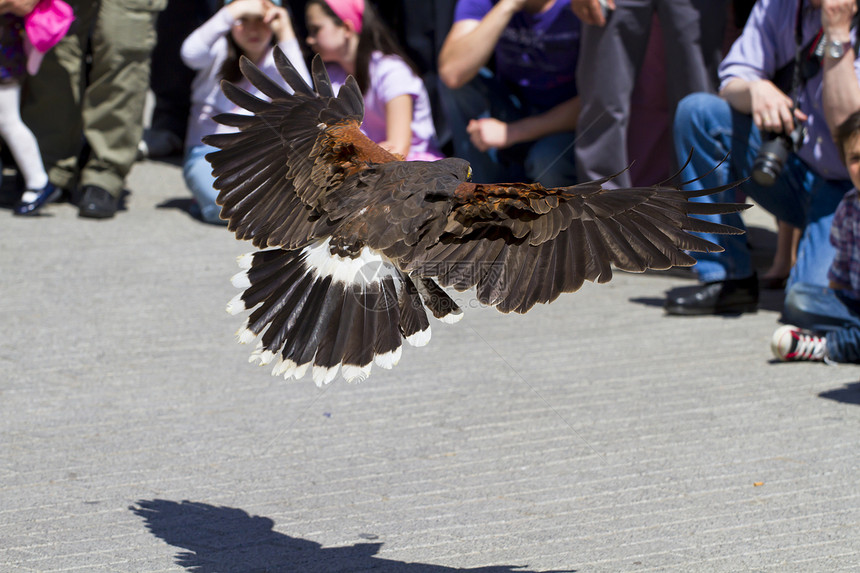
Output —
(198, 177)
(829, 313)
(843, 344)
(21, 141)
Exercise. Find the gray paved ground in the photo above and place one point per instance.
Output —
(594, 434)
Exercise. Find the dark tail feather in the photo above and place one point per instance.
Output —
(311, 309)
(437, 300)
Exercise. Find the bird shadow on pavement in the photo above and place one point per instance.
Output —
(218, 538)
(848, 394)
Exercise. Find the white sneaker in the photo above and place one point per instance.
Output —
(791, 343)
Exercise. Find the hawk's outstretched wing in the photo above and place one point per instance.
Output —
(270, 174)
(360, 239)
(524, 244)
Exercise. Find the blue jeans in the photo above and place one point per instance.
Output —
(198, 177)
(548, 160)
(708, 126)
(826, 311)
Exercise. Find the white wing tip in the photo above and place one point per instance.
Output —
(260, 356)
(354, 373)
(245, 261)
(289, 369)
(241, 280)
(236, 304)
(452, 317)
(420, 338)
(388, 360)
(245, 335)
(324, 376)
(300, 370)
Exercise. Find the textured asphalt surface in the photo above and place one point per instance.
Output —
(593, 434)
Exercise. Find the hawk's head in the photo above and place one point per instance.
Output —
(459, 168)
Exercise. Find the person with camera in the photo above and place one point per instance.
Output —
(790, 78)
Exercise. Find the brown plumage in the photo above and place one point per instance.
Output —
(357, 242)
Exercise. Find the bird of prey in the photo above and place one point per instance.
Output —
(356, 245)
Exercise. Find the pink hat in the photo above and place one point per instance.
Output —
(349, 11)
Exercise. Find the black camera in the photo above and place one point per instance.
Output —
(772, 154)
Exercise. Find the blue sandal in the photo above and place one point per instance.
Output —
(46, 194)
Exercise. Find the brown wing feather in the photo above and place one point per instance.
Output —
(273, 173)
(554, 239)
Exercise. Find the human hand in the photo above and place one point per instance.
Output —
(246, 9)
(488, 132)
(278, 20)
(771, 108)
(17, 7)
(836, 16)
(590, 11)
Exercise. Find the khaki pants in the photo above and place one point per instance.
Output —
(64, 107)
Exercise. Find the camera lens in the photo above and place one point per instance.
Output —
(770, 161)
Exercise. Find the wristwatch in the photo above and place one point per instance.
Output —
(835, 49)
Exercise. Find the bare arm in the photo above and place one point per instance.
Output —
(17, 7)
(489, 132)
(470, 43)
(398, 125)
(841, 90)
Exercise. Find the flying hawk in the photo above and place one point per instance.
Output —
(356, 244)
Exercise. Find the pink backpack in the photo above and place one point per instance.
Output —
(45, 26)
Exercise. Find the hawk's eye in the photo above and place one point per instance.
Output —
(468, 173)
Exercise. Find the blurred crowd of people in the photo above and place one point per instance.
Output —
(549, 91)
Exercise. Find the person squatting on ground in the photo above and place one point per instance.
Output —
(518, 122)
(352, 39)
(755, 103)
(20, 55)
(99, 100)
(823, 323)
(243, 27)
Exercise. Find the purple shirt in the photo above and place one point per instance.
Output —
(391, 77)
(766, 45)
(536, 54)
(845, 236)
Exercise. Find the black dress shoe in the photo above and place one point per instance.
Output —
(734, 296)
(96, 203)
